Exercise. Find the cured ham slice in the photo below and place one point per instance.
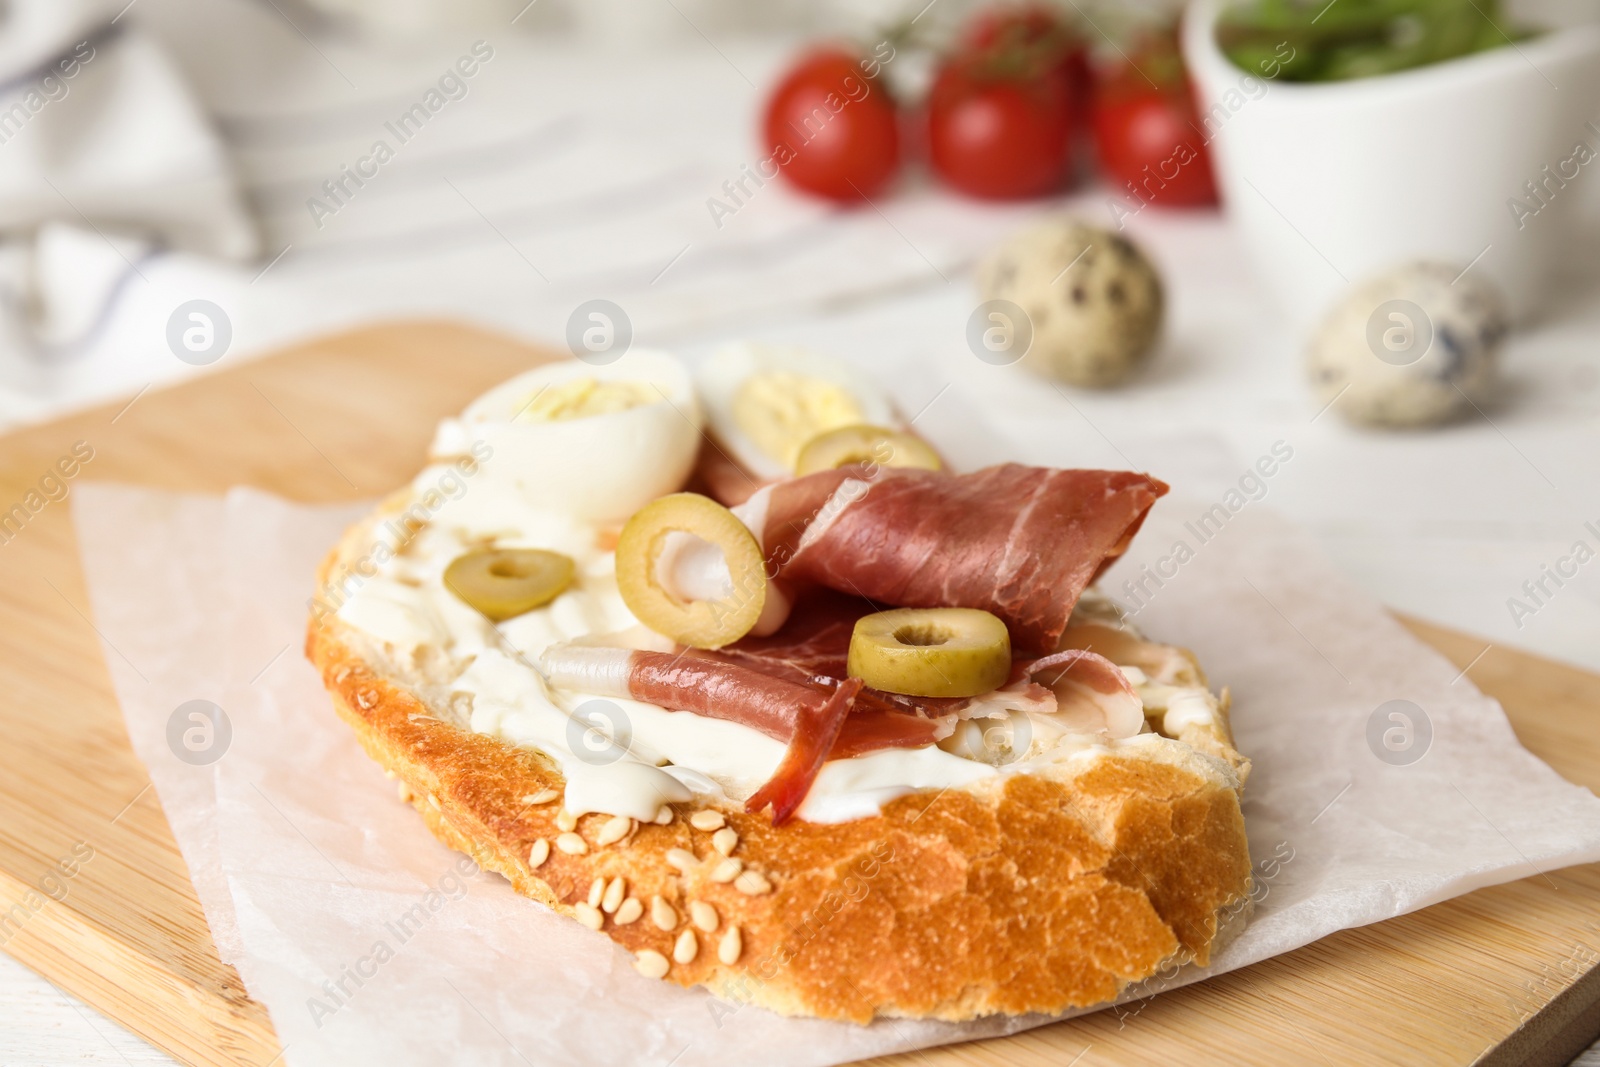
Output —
(1077, 666)
(814, 647)
(1091, 692)
(812, 739)
(709, 686)
(873, 727)
(808, 718)
(1021, 542)
(814, 640)
(1020, 693)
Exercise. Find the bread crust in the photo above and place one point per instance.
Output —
(1024, 893)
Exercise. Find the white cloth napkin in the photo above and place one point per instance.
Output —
(105, 155)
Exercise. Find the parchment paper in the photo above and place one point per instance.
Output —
(370, 942)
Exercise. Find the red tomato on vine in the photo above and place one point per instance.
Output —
(1042, 31)
(1147, 130)
(831, 129)
(996, 135)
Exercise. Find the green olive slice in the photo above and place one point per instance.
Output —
(931, 652)
(865, 444)
(505, 582)
(710, 622)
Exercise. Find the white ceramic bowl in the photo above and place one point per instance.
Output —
(1331, 183)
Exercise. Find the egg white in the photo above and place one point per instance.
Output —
(599, 468)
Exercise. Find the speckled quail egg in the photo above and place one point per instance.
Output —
(1414, 346)
(1093, 298)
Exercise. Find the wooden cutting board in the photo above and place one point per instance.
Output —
(1503, 975)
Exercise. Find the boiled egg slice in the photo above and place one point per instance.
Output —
(764, 402)
(594, 443)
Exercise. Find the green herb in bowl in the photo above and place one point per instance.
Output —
(1335, 40)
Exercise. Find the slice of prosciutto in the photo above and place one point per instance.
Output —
(1021, 542)
(809, 718)
(814, 639)
(1091, 692)
(813, 647)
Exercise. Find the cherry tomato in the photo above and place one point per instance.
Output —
(1149, 136)
(1039, 31)
(1026, 23)
(830, 129)
(997, 136)
(1081, 78)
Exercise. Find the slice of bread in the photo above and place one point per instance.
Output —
(1027, 892)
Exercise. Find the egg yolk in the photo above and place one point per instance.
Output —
(580, 398)
(780, 411)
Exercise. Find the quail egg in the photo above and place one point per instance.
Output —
(1093, 299)
(1414, 346)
